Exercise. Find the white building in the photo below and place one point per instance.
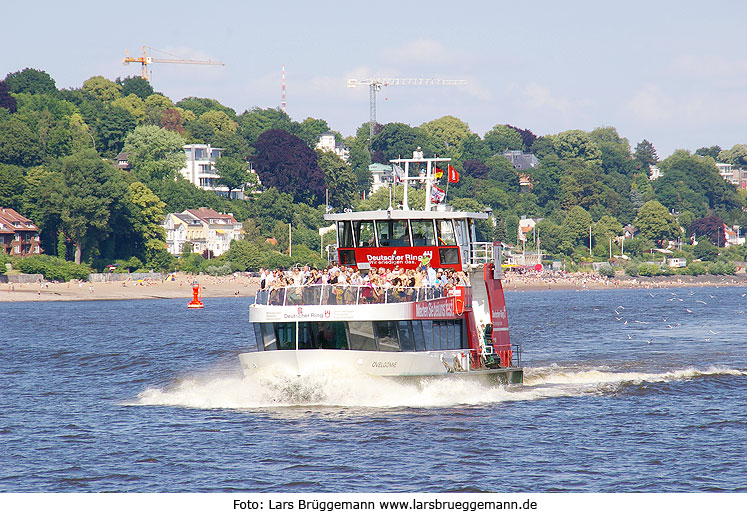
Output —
(328, 142)
(207, 230)
(200, 169)
(381, 176)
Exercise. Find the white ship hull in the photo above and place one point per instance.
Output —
(385, 364)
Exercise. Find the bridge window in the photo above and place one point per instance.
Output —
(365, 233)
(422, 232)
(445, 232)
(393, 233)
(345, 234)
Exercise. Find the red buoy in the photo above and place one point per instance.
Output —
(195, 303)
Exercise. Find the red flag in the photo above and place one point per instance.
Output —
(453, 175)
(439, 173)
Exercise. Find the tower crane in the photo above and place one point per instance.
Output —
(375, 84)
(146, 60)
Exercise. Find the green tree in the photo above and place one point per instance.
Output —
(202, 105)
(147, 219)
(156, 106)
(31, 81)
(91, 189)
(102, 89)
(155, 153)
(136, 85)
(234, 173)
(311, 129)
(339, 178)
(501, 138)
(18, 144)
(255, 122)
(574, 231)
(398, 140)
(576, 144)
(645, 154)
(12, 186)
(219, 121)
(655, 223)
(132, 104)
(448, 133)
(737, 155)
(114, 123)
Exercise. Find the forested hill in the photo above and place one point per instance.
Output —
(57, 148)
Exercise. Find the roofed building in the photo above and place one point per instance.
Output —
(208, 231)
(18, 235)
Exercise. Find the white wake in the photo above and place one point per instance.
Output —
(336, 388)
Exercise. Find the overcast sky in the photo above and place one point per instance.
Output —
(674, 73)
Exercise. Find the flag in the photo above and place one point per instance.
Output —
(453, 175)
(437, 194)
(399, 174)
(439, 173)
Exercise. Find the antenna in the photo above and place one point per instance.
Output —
(282, 99)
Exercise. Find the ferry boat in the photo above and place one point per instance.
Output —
(399, 332)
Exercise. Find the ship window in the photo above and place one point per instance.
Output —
(448, 256)
(347, 257)
(406, 342)
(445, 232)
(393, 233)
(452, 327)
(364, 232)
(386, 336)
(322, 335)
(428, 334)
(345, 234)
(462, 231)
(286, 336)
(268, 336)
(258, 336)
(417, 330)
(362, 335)
(422, 232)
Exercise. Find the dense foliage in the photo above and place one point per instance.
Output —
(57, 147)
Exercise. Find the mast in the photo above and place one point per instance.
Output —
(430, 168)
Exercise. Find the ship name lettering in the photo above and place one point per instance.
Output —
(383, 364)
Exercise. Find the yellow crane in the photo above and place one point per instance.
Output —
(145, 60)
(375, 84)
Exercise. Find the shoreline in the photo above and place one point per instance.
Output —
(240, 285)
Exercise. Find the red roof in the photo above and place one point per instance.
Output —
(15, 222)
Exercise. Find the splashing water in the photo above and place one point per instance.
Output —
(273, 389)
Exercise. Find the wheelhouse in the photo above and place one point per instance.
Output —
(389, 238)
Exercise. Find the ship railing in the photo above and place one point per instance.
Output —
(482, 252)
(508, 356)
(346, 295)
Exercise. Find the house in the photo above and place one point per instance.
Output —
(732, 236)
(329, 143)
(381, 176)
(208, 230)
(18, 235)
(121, 162)
(629, 231)
(521, 160)
(200, 169)
(654, 172)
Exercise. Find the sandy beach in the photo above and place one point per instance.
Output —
(240, 285)
(179, 288)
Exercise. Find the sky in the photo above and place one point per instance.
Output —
(674, 73)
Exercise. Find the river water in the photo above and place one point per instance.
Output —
(625, 391)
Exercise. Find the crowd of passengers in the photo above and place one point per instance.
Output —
(347, 284)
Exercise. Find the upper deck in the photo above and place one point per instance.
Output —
(336, 295)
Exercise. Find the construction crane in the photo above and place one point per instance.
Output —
(375, 84)
(146, 60)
